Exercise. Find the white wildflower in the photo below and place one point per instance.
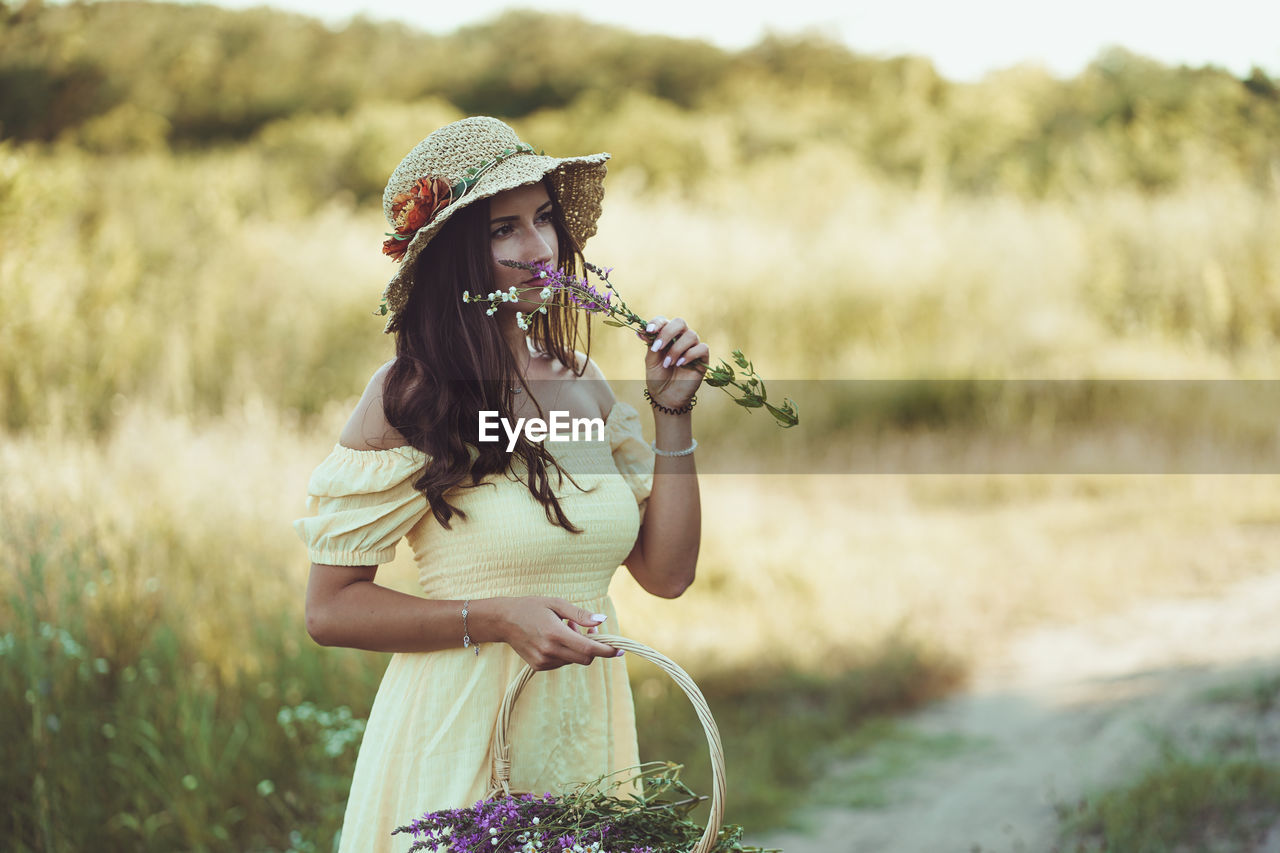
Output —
(546, 293)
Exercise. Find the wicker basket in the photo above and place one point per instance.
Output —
(499, 780)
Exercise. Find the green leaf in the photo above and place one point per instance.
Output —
(782, 416)
(615, 324)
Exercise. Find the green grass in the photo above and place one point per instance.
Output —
(784, 729)
(121, 736)
(1182, 805)
(1222, 794)
(883, 752)
(1259, 695)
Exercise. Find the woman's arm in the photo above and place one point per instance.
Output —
(346, 608)
(665, 555)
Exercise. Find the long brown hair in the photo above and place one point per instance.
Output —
(452, 362)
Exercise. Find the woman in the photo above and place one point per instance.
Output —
(515, 550)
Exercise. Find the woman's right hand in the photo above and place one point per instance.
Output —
(535, 626)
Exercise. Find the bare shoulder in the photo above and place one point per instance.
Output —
(596, 384)
(367, 428)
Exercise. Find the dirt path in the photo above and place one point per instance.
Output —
(1066, 711)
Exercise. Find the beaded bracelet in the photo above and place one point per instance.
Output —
(685, 452)
(667, 410)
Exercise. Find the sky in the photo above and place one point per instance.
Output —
(964, 39)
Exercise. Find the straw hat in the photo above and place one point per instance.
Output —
(467, 161)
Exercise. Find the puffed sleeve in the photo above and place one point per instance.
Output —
(362, 503)
(631, 453)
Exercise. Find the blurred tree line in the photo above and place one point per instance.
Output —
(127, 76)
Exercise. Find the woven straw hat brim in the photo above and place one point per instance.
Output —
(578, 183)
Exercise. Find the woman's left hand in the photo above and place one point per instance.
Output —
(670, 372)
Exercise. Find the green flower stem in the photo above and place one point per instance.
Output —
(617, 313)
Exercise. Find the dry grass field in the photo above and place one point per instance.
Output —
(184, 334)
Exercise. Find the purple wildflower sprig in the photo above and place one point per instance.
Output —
(588, 819)
(581, 294)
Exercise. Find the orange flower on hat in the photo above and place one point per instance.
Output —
(414, 209)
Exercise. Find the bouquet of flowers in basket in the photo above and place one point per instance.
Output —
(592, 818)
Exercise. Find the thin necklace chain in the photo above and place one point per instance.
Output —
(518, 389)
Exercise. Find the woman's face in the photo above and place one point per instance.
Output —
(522, 228)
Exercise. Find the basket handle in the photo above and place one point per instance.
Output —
(499, 780)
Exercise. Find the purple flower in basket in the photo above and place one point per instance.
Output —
(588, 819)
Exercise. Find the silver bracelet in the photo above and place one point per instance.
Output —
(466, 635)
(685, 452)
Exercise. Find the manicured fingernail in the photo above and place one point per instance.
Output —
(651, 328)
(620, 653)
(657, 345)
(599, 617)
(679, 361)
(666, 362)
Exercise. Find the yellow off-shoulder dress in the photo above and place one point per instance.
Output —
(427, 742)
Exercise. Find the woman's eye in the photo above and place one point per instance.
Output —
(501, 231)
(545, 216)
